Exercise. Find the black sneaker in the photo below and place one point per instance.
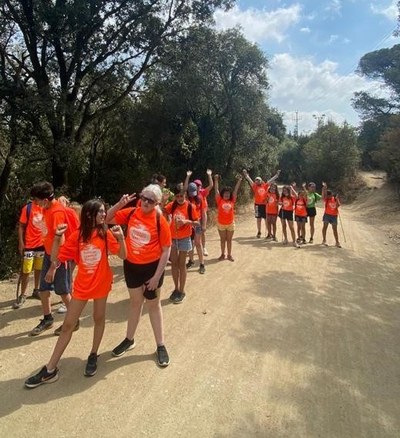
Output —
(20, 302)
(123, 347)
(43, 376)
(259, 235)
(91, 365)
(174, 294)
(179, 297)
(58, 330)
(162, 356)
(311, 240)
(35, 295)
(202, 269)
(43, 325)
(189, 264)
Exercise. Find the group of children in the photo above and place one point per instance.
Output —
(163, 226)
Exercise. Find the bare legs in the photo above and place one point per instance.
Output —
(135, 310)
(226, 243)
(178, 268)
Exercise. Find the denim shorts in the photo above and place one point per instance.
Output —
(62, 278)
(184, 244)
(329, 219)
(301, 219)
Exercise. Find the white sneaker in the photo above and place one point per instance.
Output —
(205, 252)
(62, 309)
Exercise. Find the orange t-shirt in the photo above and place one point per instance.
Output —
(94, 277)
(288, 202)
(204, 193)
(33, 227)
(53, 216)
(260, 192)
(226, 212)
(272, 203)
(301, 207)
(142, 240)
(331, 206)
(182, 212)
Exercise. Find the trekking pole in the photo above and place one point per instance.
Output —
(341, 226)
(15, 305)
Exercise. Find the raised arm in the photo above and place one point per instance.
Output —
(238, 182)
(186, 182)
(247, 176)
(275, 177)
(216, 186)
(117, 232)
(293, 189)
(210, 181)
(324, 189)
(125, 199)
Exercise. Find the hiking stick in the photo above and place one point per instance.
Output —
(341, 226)
(19, 280)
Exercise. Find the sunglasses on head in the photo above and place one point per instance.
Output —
(148, 200)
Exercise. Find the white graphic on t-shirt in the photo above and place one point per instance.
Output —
(139, 235)
(39, 223)
(226, 207)
(178, 218)
(90, 256)
(261, 191)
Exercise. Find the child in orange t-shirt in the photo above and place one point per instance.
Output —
(30, 247)
(272, 202)
(88, 247)
(287, 202)
(225, 201)
(300, 213)
(183, 217)
(332, 204)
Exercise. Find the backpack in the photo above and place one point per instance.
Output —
(28, 211)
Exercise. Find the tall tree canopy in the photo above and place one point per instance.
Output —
(79, 59)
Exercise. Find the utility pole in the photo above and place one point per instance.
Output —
(296, 119)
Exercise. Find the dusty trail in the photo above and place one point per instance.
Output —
(280, 343)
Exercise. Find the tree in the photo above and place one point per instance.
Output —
(82, 58)
(332, 154)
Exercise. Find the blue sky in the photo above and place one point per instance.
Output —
(313, 48)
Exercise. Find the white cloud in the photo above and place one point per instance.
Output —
(259, 25)
(305, 30)
(333, 38)
(299, 84)
(334, 6)
(391, 11)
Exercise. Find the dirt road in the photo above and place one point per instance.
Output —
(280, 343)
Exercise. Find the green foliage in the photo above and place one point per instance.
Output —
(388, 155)
(331, 154)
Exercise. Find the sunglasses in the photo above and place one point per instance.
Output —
(148, 200)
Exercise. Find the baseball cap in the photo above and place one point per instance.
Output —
(192, 189)
(258, 178)
(197, 182)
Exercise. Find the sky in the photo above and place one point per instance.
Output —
(313, 48)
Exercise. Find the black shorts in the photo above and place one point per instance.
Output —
(260, 211)
(301, 219)
(137, 274)
(311, 211)
(286, 214)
